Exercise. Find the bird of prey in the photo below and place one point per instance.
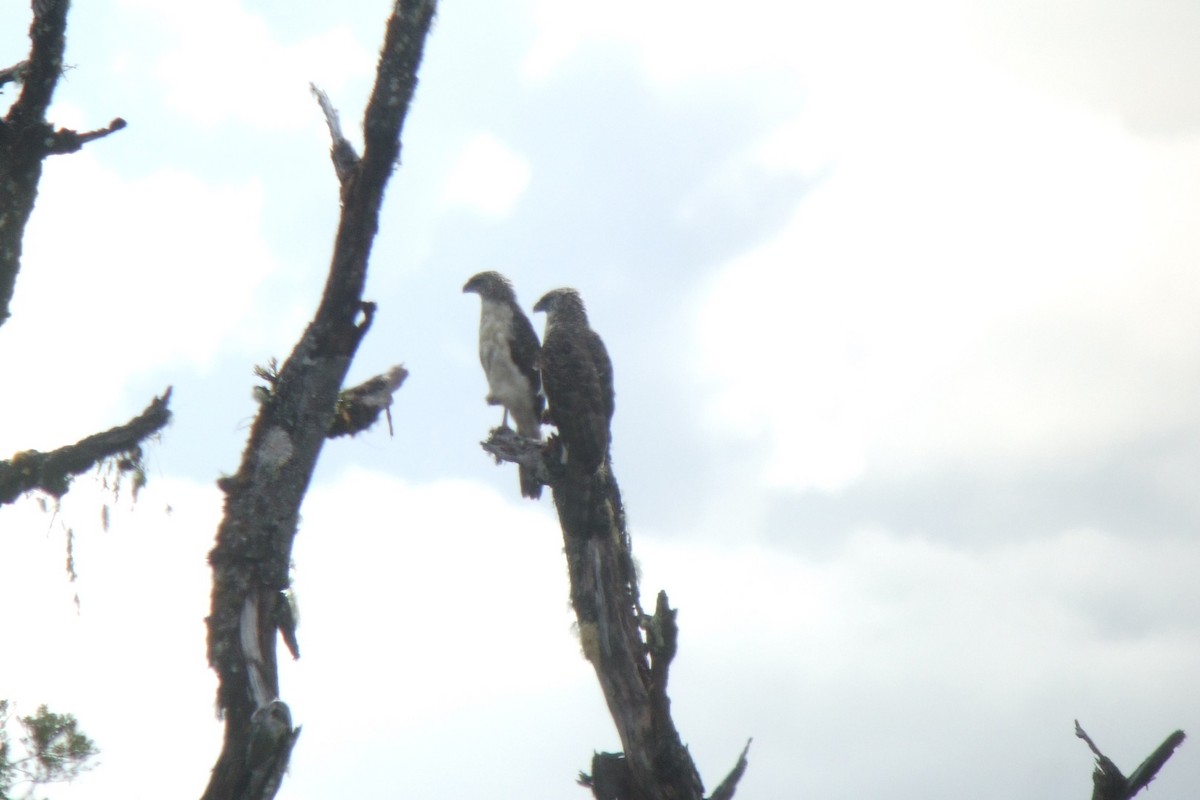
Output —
(577, 376)
(508, 350)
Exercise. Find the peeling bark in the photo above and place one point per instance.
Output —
(254, 541)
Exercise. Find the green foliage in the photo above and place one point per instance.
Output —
(50, 749)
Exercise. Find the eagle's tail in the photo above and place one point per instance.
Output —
(530, 426)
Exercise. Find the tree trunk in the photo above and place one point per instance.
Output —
(630, 651)
(254, 541)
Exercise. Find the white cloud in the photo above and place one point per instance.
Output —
(443, 569)
(122, 276)
(673, 39)
(677, 41)
(897, 315)
(899, 645)
(972, 247)
(885, 607)
(229, 64)
(418, 604)
(1135, 60)
(979, 261)
(487, 177)
(134, 650)
(434, 619)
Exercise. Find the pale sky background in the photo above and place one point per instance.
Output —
(902, 301)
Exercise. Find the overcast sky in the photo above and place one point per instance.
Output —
(902, 301)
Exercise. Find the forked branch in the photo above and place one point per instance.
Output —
(1108, 783)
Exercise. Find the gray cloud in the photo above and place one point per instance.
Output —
(1118, 490)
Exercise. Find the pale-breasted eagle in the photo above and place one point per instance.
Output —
(508, 351)
(577, 376)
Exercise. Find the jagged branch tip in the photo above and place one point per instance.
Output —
(345, 159)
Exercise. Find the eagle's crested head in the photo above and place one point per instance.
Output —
(491, 285)
(565, 302)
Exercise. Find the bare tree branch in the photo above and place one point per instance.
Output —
(1148, 769)
(254, 541)
(505, 444)
(359, 407)
(727, 787)
(604, 594)
(66, 140)
(52, 472)
(14, 74)
(630, 651)
(345, 159)
(1108, 783)
(26, 138)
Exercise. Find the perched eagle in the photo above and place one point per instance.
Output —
(508, 350)
(578, 378)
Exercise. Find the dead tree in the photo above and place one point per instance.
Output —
(301, 406)
(630, 650)
(1108, 783)
(26, 140)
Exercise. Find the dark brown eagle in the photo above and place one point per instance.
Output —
(577, 376)
(508, 351)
